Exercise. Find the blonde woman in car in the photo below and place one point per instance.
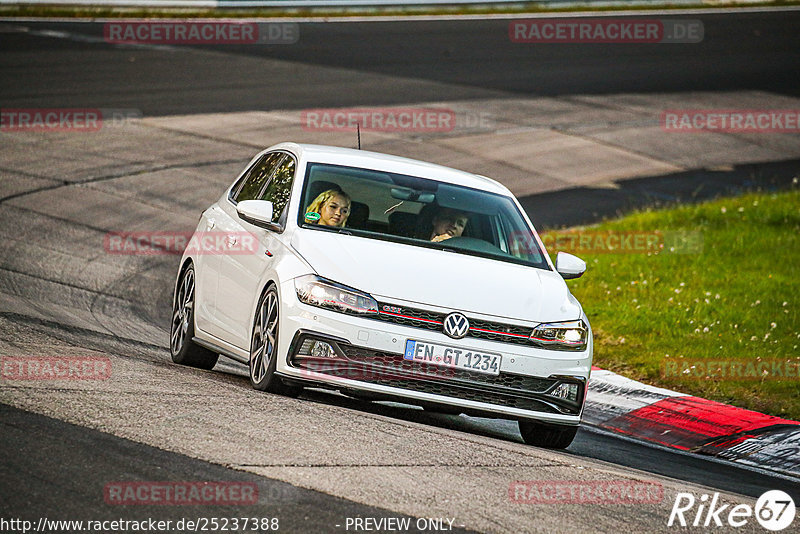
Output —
(332, 206)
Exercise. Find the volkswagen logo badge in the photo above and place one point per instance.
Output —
(456, 325)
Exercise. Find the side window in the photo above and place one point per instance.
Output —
(254, 181)
(280, 188)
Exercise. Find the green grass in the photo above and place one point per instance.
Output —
(733, 297)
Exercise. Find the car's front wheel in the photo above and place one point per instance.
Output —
(547, 436)
(264, 347)
(181, 346)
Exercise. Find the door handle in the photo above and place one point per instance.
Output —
(210, 224)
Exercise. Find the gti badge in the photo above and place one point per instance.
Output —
(456, 325)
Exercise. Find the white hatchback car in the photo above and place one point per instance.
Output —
(403, 281)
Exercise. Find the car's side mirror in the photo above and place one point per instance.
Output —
(569, 266)
(257, 212)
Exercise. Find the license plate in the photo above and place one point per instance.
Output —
(456, 358)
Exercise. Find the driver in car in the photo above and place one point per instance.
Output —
(448, 223)
(330, 208)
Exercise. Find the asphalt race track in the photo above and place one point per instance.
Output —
(323, 458)
(385, 63)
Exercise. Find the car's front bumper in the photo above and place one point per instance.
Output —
(370, 361)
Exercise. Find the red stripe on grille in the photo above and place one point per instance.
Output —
(440, 322)
(501, 333)
(411, 317)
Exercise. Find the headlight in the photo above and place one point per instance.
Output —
(323, 293)
(569, 335)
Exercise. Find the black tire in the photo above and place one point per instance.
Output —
(264, 347)
(183, 350)
(547, 436)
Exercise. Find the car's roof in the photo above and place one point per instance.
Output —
(388, 163)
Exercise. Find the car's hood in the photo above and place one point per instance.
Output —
(438, 277)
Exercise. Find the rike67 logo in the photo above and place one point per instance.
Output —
(774, 510)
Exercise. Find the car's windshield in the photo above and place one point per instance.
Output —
(417, 211)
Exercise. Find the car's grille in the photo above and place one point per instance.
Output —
(389, 369)
(396, 362)
(414, 317)
(499, 399)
